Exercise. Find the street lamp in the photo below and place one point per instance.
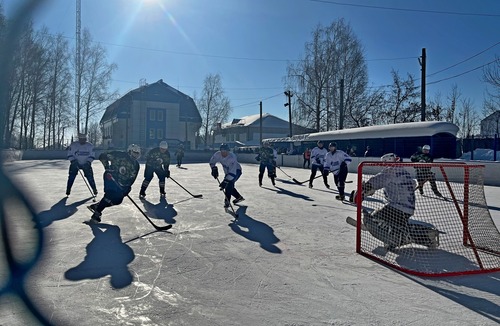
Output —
(289, 104)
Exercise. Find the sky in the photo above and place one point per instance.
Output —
(250, 43)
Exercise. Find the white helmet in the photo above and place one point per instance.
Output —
(389, 157)
(426, 148)
(163, 144)
(134, 150)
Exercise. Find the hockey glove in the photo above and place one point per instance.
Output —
(317, 160)
(257, 158)
(223, 184)
(167, 174)
(215, 172)
(273, 162)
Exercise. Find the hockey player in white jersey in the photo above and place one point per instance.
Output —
(81, 154)
(317, 159)
(336, 161)
(232, 172)
(391, 224)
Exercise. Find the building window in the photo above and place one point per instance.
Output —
(152, 115)
(152, 133)
(159, 133)
(159, 116)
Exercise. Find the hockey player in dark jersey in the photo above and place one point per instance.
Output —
(121, 170)
(425, 174)
(157, 161)
(81, 154)
(267, 158)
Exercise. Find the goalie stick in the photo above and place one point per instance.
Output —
(354, 223)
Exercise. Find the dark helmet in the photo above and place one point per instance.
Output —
(320, 142)
(224, 147)
(332, 144)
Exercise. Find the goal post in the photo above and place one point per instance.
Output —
(442, 228)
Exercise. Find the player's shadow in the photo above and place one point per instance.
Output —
(182, 168)
(255, 231)
(282, 191)
(106, 255)
(58, 211)
(470, 291)
(162, 210)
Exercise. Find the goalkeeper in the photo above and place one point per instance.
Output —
(390, 223)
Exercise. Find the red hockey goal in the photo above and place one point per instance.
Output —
(449, 235)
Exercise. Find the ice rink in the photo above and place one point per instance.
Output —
(288, 260)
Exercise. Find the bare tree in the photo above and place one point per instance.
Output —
(468, 119)
(451, 111)
(335, 54)
(94, 74)
(57, 115)
(403, 102)
(491, 75)
(214, 105)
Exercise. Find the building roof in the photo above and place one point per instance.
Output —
(268, 120)
(157, 92)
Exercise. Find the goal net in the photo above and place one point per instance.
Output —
(427, 219)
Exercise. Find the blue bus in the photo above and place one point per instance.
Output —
(404, 139)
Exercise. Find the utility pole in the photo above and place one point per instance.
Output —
(77, 64)
(260, 126)
(422, 60)
(289, 104)
(341, 113)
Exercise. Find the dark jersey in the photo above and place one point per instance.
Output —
(421, 157)
(266, 155)
(122, 167)
(156, 159)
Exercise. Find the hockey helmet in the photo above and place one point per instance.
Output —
(134, 150)
(82, 136)
(163, 144)
(320, 142)
(224, 147)
(332, 144)
(389, 157)
(426, 148)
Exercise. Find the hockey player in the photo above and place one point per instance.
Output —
(157, 162)
(179, 154)
(232, 171)
(120, 171)
(336, 161)
(81, 154)
(317, 158)
(390, 224)
(425, 174)
(267, 158)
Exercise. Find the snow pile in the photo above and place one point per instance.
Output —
(480, 154)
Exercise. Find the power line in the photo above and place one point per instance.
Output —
(461, 74)
(456, 64)
(407, 9)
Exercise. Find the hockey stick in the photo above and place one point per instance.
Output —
(293, 179)
(299, 182)
(158, 228)
(91, 192)
(195, 196)
(229, 201)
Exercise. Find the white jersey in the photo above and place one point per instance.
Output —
(83, 153)
(318, 153)
(399, 187)
(333, 161)
(229, 164)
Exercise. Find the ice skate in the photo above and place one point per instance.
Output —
(238, 200)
